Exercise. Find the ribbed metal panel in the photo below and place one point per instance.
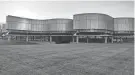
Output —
(92, 21)
(123, 24)
(18, 23)
(60, 24)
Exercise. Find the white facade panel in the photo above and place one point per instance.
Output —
(18, 23)
(124, 24)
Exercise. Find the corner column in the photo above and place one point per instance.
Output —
(27, 38)
(87, 39)
(112, 40)
(73, 39)
(50, 38)
(106, 39)
(77, 39)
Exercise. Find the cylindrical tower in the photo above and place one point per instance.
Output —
(93, 25)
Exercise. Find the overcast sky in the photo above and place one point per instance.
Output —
(64, 9)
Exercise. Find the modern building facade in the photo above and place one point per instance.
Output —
(93, 27)
(85, 27)
(25, 29)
